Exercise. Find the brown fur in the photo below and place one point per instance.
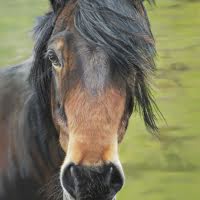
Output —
(66, 17)
(93, 123)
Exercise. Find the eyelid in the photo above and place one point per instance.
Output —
(56, 66)
(55, 59)
(49, 51)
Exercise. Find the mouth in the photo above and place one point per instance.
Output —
(67, 196)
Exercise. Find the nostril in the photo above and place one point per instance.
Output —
(116, 180)
(68, 179)
(72, 170)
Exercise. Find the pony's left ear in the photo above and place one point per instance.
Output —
(57, 4)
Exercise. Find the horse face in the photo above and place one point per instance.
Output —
(99, 69)
(90, 108)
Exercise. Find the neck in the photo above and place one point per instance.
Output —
(34, 149)
(45, 152)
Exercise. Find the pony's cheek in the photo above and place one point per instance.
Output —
(64, 140)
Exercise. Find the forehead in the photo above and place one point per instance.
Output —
(101, 45)
(60, 40)
(90, 61)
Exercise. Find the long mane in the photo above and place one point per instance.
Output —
(122, 29)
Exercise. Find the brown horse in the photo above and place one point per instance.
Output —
(65, 110)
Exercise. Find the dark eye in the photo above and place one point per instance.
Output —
(54, 59)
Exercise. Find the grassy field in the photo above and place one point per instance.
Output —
(167, 168)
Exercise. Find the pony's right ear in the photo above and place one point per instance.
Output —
(57, 4)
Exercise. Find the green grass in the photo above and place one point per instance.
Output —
(167, 168)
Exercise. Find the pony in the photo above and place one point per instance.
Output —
(65, 110)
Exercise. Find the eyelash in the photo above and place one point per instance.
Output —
(53, 58)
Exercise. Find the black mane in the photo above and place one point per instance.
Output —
(122, 29)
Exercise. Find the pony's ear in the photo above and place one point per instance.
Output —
(57, 4)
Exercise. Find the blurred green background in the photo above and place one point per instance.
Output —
(167, 168)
